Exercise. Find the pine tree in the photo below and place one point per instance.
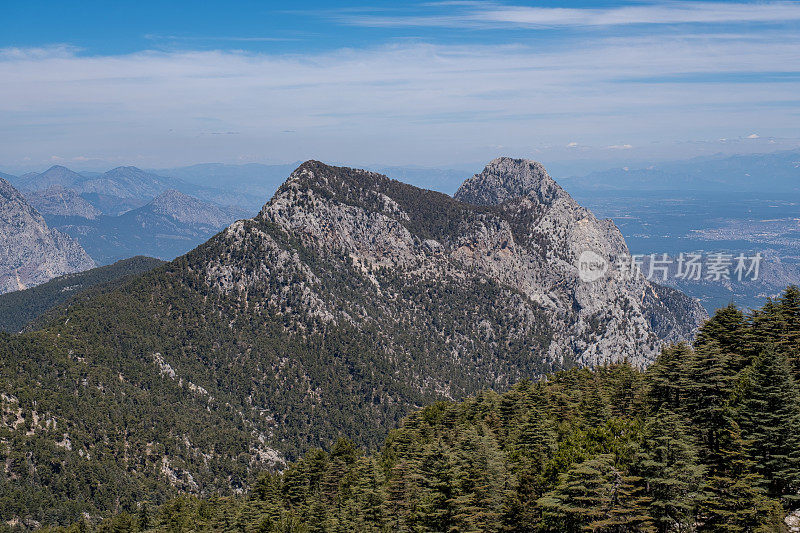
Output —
(668, 463)
(725, 328)
(436, 509)
(769, 416)
(708, 401)
(399, 496)
(732, 499)
(596, 496)
(765, 327)
(482, 482)
(666, 378)
(369, 495)
(531, 442)
(593, 407)
(789, 337)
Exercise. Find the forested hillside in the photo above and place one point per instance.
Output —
(348, 302)
(19, 308)
(707, 439)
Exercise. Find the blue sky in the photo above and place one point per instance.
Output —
(93, 84)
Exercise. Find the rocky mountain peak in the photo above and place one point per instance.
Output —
(506, 178)
(511, 224)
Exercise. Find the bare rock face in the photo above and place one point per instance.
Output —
(488, 281)
(618, 315)
(31, 253)
(504, 179)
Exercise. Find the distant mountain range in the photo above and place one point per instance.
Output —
(80, 203)
(30, 251)
(772, 173)
(56, 200)
(121, 188)
(128, 211)
(169, 225)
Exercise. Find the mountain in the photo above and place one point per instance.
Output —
(127, 182)
(112, 205)
(123, 188)
(604, 449)
(169, 225)
(191, 211)
(55, 176)
(19, 308)
(347, 301)
(63, 202)
(776, 172)
(32, 253)
(559, 233)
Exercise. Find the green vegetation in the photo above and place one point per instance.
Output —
(19, 308)
(162, 385)
(184, 386)
(705, 440)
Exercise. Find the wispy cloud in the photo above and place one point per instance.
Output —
(215, 39)
(410, 101)
(475, 14)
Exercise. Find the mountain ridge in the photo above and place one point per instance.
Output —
(33, 252)
(349, 300)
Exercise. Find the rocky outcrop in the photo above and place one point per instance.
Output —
(511, 236)
(31, 253)
(505, 178)
(608, 317)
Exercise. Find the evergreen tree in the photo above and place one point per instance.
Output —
(769, 417)
(596, 496)
(726, 328)
(594, 407)
(788, 340)
(708, 401)
(436, 509)
(482, 482)
(732, 499)
(668, 464)
(399, 496)
(666, 377)
(369, 496)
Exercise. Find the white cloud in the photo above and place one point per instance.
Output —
(492, 15)
(620, 147)
(753, 136)
(412, 102)
(572, 144)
